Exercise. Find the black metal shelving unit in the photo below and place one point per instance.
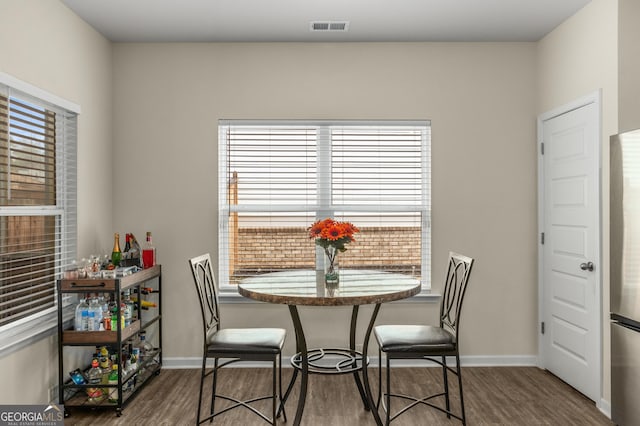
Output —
(75, 395)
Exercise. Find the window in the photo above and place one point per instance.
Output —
(276, 178)
(37, 203)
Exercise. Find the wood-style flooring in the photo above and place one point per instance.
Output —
(493, 396)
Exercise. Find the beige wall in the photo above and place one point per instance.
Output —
(480, 97)
(629, 64)
(42, 43)
(578, 58)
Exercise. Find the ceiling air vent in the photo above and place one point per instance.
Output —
(324, 26)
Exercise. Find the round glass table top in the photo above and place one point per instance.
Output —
(307, 287)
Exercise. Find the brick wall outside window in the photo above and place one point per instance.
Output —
(263, 249)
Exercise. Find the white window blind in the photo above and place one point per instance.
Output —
(37, 203)
(276, 178)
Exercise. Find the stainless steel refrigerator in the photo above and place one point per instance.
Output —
(625, 278)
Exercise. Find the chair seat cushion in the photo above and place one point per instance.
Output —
(247, 340)
(415, 339)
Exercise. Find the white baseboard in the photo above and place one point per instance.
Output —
(605, 407)
(466, 361)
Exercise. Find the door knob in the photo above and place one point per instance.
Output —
(587, 266)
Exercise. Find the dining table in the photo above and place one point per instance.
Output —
(356, 287)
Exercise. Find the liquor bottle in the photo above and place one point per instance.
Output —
(128, 307)
(144, 304)
(148, 253)
(94, 377)
(146, 349)
(116, 254)
(127, 244)
(136, 251)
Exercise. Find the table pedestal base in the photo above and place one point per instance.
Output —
(312, 361)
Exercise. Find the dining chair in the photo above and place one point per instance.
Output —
(429, 343)
(229, 345)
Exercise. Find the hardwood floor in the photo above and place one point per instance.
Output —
(493, 396)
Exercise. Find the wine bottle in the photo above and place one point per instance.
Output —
(136, 251)
(116, 254)
(127, 244)
(148, 253)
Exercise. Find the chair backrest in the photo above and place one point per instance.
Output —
(454, 289)
(207, 292)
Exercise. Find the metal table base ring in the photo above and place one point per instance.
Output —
(351, 361)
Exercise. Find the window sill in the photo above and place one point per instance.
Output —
(231, 296)
(20, 336)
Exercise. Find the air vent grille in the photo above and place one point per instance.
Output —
(325, 26)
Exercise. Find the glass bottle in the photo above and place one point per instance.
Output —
(116, 254)
(135, 250)
(148, 253)
(145, 347)
(127, 244)
(94, 377)
(128, 307)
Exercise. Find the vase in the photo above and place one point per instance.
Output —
(331, 271)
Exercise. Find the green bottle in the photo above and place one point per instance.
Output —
(116, 254)
(113, 380)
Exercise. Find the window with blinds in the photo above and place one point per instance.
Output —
(37, 203)
(276, 178)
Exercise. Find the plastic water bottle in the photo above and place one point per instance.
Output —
(95, 311)
(85, 320)
(91, 321)
(82, 307)
(104, 304)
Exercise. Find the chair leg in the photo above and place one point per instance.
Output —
(379, 378)
(281, 407)
(202, 374)
(445, 380)
(274, 392)
(464, 419)
(388, 417)
(214, 387)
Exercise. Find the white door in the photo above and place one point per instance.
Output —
(570, 247)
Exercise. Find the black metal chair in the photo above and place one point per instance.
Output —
(431, 343)
(230, 345)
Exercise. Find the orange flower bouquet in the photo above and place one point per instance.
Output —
(333, 237)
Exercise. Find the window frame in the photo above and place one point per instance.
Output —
(228, 292)
(25, 331)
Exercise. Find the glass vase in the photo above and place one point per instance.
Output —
(331, 270)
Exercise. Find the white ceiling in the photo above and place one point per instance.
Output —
(289, 20)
